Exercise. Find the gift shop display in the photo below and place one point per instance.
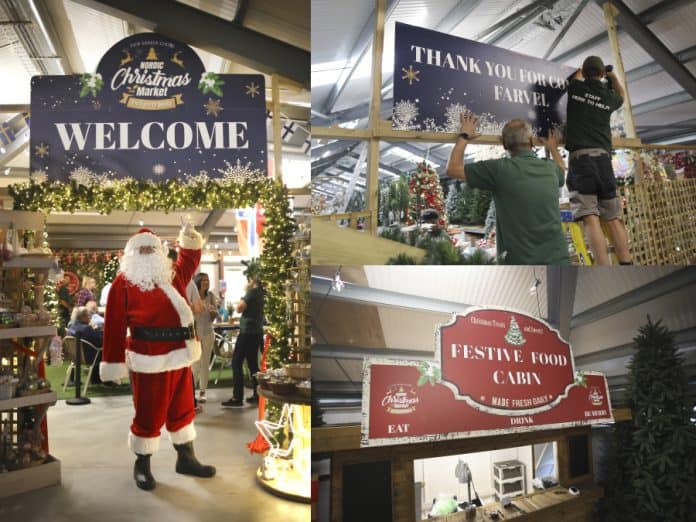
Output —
(25, 336)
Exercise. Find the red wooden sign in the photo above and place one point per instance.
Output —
(495, 371)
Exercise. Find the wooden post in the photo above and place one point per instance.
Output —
(609, 13)
(372, 172)
(277, 128)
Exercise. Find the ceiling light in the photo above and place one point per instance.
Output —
(2, 150)
(7, 171)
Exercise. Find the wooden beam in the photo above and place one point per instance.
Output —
(339, 132)
(374, 119)
(609, 13)
(277, 129)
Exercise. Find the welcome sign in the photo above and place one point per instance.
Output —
(151, 111)
(438, 76)
(495, 371)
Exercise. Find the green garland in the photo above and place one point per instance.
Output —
(276, 260)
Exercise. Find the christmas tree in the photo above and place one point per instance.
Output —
(662, 466)
(514, 334)
(425, 188)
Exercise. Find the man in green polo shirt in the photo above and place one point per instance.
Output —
(525, 191)
(590, 174)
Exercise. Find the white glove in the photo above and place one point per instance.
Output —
(189, 238)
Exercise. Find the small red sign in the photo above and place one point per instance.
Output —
(495, 371)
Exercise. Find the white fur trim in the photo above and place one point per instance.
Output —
(191, 242)
(182, 308)
(141, 240)
(184, 435)
(112, 371)
(143, 445)
(179, 358)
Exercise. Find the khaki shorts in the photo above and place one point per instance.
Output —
(588, 204)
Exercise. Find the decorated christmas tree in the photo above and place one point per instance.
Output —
(426, 191)
(662, 467)
(514, 334)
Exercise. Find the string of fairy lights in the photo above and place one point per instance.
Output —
(277, 259)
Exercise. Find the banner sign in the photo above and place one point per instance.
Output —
(495, 371)
(150, 112)
(438, 76)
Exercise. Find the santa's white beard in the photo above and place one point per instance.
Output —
(147, 270)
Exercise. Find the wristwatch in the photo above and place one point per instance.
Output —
(464, 135)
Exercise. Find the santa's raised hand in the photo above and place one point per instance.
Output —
(189, 237)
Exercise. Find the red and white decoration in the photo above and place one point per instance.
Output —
(495, 371)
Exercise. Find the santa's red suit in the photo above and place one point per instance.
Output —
(161, 369)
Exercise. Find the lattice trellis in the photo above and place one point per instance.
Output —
(660, 218)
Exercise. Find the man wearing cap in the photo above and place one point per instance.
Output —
(590, 174)
(149, 330)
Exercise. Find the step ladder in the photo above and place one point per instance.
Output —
(576, 233)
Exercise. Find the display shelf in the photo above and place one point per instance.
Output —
(30, 261)
(292, 398)
(28, 331)
(29, 479)
(24, 434)
(29, 400)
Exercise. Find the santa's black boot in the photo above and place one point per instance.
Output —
(187, 463)
(141, 473)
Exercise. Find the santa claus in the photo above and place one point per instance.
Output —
(149, 330)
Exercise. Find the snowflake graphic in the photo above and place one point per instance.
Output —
(83, 176)
(487, 124)
(39, 176)
(158, 169)
(202, 177)
(430, 125)
(452, 112)
(238, 173)
(405, 114)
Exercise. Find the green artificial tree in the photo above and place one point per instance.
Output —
(399, 198)
(618, 500)
(662, 465)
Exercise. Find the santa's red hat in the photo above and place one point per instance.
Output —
(144, 237)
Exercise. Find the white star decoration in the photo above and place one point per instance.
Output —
(267, 428)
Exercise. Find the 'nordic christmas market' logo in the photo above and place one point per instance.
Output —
(400, 399)
(503, 360)
(147, 85)
(596, 398)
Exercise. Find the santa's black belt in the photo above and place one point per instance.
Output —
(151, 333)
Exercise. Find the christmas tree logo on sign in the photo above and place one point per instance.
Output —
(514, 334)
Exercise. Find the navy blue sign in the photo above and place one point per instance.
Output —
(150, 112)
(438, 76)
